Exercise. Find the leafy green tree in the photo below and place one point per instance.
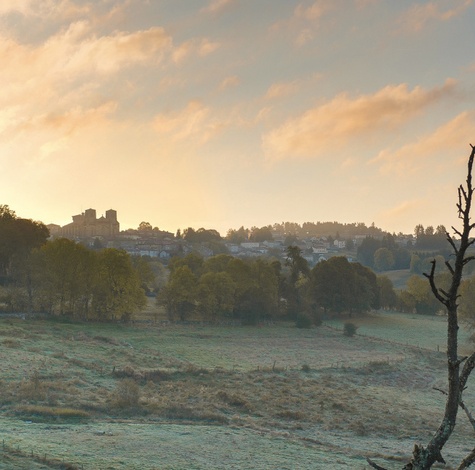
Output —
(144, 269)
(237, 236)
(193, 260)
(387, 294)
(297, 263)
(215, 294)
(18, 237)
(179, 296)
(295, 285)
(420, 291)
(63, 277)
(201, 235)
(383, 259)
(261, 234)
(217, 264)
(366, 251)
(337, 285)
(117, 292)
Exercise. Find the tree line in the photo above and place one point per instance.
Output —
(63, 277)
(225, 287)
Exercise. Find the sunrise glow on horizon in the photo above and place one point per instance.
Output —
(229, 113)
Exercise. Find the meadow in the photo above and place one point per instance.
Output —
(166, 396)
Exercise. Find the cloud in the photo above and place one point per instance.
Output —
(281, 89)
(449, 139)
(229, 82)
(333, 123)
(201, 47)
(77, 52)
(277, 90)
(304, 20)
(419, 15)
(305, 35)
(193, 123)
(63, 9)
(216, 6)
(313, 12)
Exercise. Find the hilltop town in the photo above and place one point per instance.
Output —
(317, 241)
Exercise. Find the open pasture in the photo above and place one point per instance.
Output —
(104, 396)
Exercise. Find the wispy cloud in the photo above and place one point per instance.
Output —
(332, 124)
(193, 123)
(418, 16)
(216, 6)
(314, 11)
(62, 9)
(229, 82)
(449, 139)
(281, 89)
(201, 47)
(278, 90)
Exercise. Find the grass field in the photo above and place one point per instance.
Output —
(102, 396)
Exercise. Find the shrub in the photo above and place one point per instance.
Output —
(349, 329)
(127, 394)
(303, 321)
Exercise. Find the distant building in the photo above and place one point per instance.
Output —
(87, 225)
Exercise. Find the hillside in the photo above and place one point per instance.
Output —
(215, 397)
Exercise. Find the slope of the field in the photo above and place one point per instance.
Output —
(199, 397)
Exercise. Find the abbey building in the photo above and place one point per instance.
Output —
(87, 225)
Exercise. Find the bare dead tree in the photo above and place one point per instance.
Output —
(424, 457)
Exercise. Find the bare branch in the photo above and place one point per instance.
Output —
(469, 415)
(468, 259)
(467, 370)
(374, 465)
(467, 461)
(433, 287)
(457, 232)
(449, 267)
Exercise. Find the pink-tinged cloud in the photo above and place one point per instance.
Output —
(229, 82)
(201, 47)
(194, 123)
(77, 52)
(449, 139)
(314, 11)
(332, 124)
(278, 90)
(43, 8)
(216, 6)
(420, 15)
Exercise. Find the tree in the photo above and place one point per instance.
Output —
(237, 236)
(17, 238)
(298, 275)
(63, 277)
(388, 297)
(383, 259)
(145, 227)
(340, 286)
(215, 294)
(458, 368)
(117, 292)
(261, 234)
(179, 295)
(366, 251)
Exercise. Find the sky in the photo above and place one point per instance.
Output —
(223, 113)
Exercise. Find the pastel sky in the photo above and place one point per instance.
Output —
(222, 113)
